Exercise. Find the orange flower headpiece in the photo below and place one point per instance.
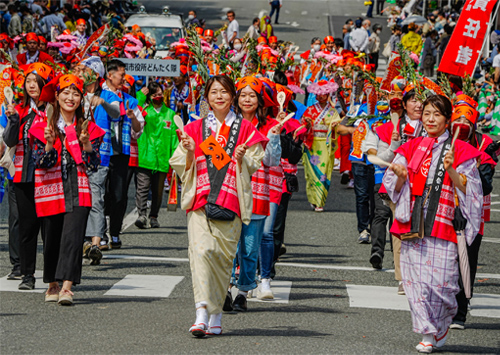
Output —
(38, 68)
(466, 111)
(59, 83)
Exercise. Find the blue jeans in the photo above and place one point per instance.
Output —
(275, 6)
(267, 244)
(247, 255)
(369, 12)
(364, 182)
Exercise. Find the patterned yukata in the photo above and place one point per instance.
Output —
(429, 266)
(319, 153)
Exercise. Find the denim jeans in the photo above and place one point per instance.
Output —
(275, 6)
(247, 255)
(364, 181)
(267, 244)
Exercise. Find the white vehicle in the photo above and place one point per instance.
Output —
(165, 28)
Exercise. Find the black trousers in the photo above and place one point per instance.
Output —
(473, 254)
(146, 180)
(116, 196)
(13, 227)
(62, 252)
(374, 60)
(381, 216)
(279, 228)
(380, 6)
(29, 226)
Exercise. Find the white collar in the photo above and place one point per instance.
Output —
(214, 123)
(61, 124)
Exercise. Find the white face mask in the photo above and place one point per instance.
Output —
(190, 17)
(316, 47)
(378, 31)
(237, 47)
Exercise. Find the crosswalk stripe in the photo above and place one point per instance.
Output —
(381, 297)
(145, 286)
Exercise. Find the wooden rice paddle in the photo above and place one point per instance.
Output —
(377, 161)
(249, 138)
(457, 132)
(281, 100)
(482, 143)
(178, 122)
(49, 112)
(9, 95)
(85, 125)
(196, 117)
(395, 120)
(290, 115)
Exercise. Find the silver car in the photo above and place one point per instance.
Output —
(165, 28)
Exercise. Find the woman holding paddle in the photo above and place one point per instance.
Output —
(215, 160)
(65, 147)
(428, 178)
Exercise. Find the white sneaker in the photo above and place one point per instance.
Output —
(265, 292)
(350, 185)
(249, 294)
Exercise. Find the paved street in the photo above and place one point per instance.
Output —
(329, 299)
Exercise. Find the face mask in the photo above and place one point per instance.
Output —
(396, 104)
(465, 131)
(237, 47)
(190, 17)
(157, 100)
(316, 47)
(378, 31)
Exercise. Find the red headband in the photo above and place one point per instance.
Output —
(328, 39)
(273, 39)
(81, 21)
(209, 33)
(38, 68)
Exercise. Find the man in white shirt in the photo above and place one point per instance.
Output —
(359, 38)
(233, 29)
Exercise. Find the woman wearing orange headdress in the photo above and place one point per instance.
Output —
(250, 104)
(65, 148)
(215, 159)
(464, 119)
(16, 135)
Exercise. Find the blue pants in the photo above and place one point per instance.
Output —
(275, 6)
(247, 255)
(364, 182)
(267, 244)
(369, 12)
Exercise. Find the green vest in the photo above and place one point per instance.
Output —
(159, 138)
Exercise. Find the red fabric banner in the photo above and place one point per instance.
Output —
(101, 32)
(466, 42)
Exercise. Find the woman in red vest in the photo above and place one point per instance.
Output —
(250, 104)
(215, 160)
(428, 176)
(65, 147)
(20, 119)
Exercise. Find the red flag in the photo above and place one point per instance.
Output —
(466, 42)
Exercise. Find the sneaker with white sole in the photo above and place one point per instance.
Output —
(364, 237)
(350, 185)
(265, 292)
(457, 325)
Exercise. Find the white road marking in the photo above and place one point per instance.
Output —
(491, 240)
(493, 195)
(11, 285)
(281, 291)
(492, 210)
(496, 203)
(300, 265)
(145, 286)
(381, 297)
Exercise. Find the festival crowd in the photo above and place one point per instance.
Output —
(77, 129)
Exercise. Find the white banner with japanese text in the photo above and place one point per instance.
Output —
(152, 67)
(466, 42)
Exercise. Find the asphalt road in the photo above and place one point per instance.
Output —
(324, 263)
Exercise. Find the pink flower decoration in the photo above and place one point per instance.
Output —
(323, 87)
(134, 40)
(296, 89)
(66, 38)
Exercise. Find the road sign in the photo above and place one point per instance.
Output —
(152, 67)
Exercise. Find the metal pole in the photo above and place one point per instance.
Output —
(423, 8)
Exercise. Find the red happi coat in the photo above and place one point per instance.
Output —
(267, 181)
(486, 159)
(49, 184)
(443, 226)
(228, 195)
(19, 157)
